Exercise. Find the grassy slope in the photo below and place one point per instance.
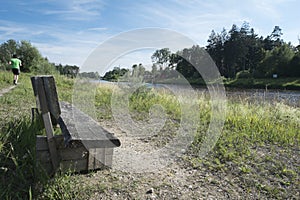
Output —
(248, 83)
(257, 148)
(280, 83)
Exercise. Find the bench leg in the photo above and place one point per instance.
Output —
(51, 141)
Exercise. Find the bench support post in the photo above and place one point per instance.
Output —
(43, 93)
(50, 140)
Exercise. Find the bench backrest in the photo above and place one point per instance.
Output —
(44, 89)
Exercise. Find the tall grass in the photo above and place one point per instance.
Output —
(249, 121)
(6, 79)
(17, 159)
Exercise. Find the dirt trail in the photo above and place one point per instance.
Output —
(6, 90)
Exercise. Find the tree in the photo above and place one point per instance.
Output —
(115, 74)
(162, 57)
(274, 39)
(71, 70)
(190, 57)
(7, 49)
(294, 66)
(277, 61)
(31, 58)
(235, 51)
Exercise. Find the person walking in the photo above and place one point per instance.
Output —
(15, 64)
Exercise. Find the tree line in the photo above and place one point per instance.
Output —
(241, 49)
(237, 52)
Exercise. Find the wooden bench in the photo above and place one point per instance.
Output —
(80, 147)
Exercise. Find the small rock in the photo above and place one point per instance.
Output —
(151, 191)
(190, 187)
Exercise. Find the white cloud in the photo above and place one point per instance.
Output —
(80, 10)
(195, 19)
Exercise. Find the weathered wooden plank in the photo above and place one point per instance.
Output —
(46, 95)
(50, 139)
(51, 96)
(96, 159)
(108, 155)
(43, 106)
(73, 153)
(43, 156)
(92, 143)
(85, 128)
(41, 143)
(108, 160)
(74, 165)
(100, 157)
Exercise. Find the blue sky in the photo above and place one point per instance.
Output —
(68, 31)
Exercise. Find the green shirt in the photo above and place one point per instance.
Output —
(15, 63)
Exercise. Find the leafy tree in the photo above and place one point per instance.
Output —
(277, 61)
(71, 70)
(188, 58)
(115, 74)
(162, 57)
(7, 49)
(31, 58)
(59, 68)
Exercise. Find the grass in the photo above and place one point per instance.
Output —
(279, 83)
(246, 83)
(6, 79)
(258, 147)
(18, 168)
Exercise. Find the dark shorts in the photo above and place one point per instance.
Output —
(16, 71)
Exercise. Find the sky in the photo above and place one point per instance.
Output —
(67, 32)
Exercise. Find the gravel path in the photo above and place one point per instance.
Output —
(179, 180)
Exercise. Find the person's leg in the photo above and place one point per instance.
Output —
(16, 75)
(13, 71)
(16, 78)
